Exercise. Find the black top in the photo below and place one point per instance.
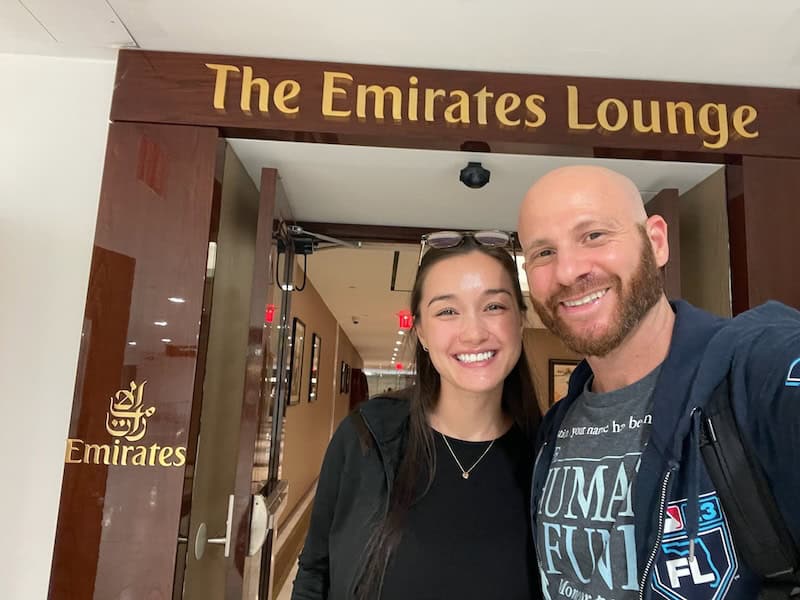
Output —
(469, 538)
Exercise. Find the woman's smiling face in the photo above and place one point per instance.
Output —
(470, 322)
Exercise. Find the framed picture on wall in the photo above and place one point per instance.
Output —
(342, 376)
(296, 360)
(347, 373)
(313, 371)
(558, 372)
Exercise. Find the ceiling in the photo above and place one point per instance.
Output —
(726, 42)
(717, 41)
(388, 186)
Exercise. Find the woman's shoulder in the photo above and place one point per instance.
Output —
(391, 403)
(379, 418)
(385, 415)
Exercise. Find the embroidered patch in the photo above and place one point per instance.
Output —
(710, 574)
(793, 376)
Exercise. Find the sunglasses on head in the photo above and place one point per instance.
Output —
(452, 239)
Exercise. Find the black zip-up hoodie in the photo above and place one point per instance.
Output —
(354, 485)
(673, 496)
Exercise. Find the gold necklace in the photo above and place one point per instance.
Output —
(465, 472)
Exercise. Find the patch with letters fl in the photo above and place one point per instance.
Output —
(708, 576)
(793, 376)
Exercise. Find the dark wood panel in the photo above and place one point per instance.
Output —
(497, 146)
(772, 222)
(101, 367)
(118, 524)
(737, 239)
(327, 100)
(667, 204)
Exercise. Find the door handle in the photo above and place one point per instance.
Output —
(201, 539)
(262, 515)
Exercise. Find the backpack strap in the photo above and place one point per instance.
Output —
(758, 528)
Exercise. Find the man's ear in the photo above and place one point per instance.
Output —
(656, 228)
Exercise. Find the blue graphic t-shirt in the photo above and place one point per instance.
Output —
(585, 539)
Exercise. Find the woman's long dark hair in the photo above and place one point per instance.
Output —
(418, 463)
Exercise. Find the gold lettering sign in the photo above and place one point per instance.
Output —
(344, 98)
(283, 93)
(126, 419)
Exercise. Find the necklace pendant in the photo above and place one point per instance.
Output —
(465, 475)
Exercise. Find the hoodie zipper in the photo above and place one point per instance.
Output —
(654, 552)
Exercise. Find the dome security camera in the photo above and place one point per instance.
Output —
(474, 176)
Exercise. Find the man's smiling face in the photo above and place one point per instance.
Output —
(592, 270)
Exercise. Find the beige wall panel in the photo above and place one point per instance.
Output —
(308, 424)
(705, 268)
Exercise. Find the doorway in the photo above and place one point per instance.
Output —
(383, 265)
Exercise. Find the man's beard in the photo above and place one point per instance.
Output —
(643, 291)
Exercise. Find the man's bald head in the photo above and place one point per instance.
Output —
(592, 256)
(583, 186)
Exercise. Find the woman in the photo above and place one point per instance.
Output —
(423, 494)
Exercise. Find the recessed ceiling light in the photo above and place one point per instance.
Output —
(131, 343)
(176, 299)
(160, 323)
(166, 340)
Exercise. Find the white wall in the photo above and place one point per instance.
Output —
(55, 120)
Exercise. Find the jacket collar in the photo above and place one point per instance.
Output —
(386, 417)
(692, 331)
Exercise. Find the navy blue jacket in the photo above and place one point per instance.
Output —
(674, 499)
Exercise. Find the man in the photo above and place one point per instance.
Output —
(623, 505)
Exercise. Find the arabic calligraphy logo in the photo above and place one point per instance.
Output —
(126, 416)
